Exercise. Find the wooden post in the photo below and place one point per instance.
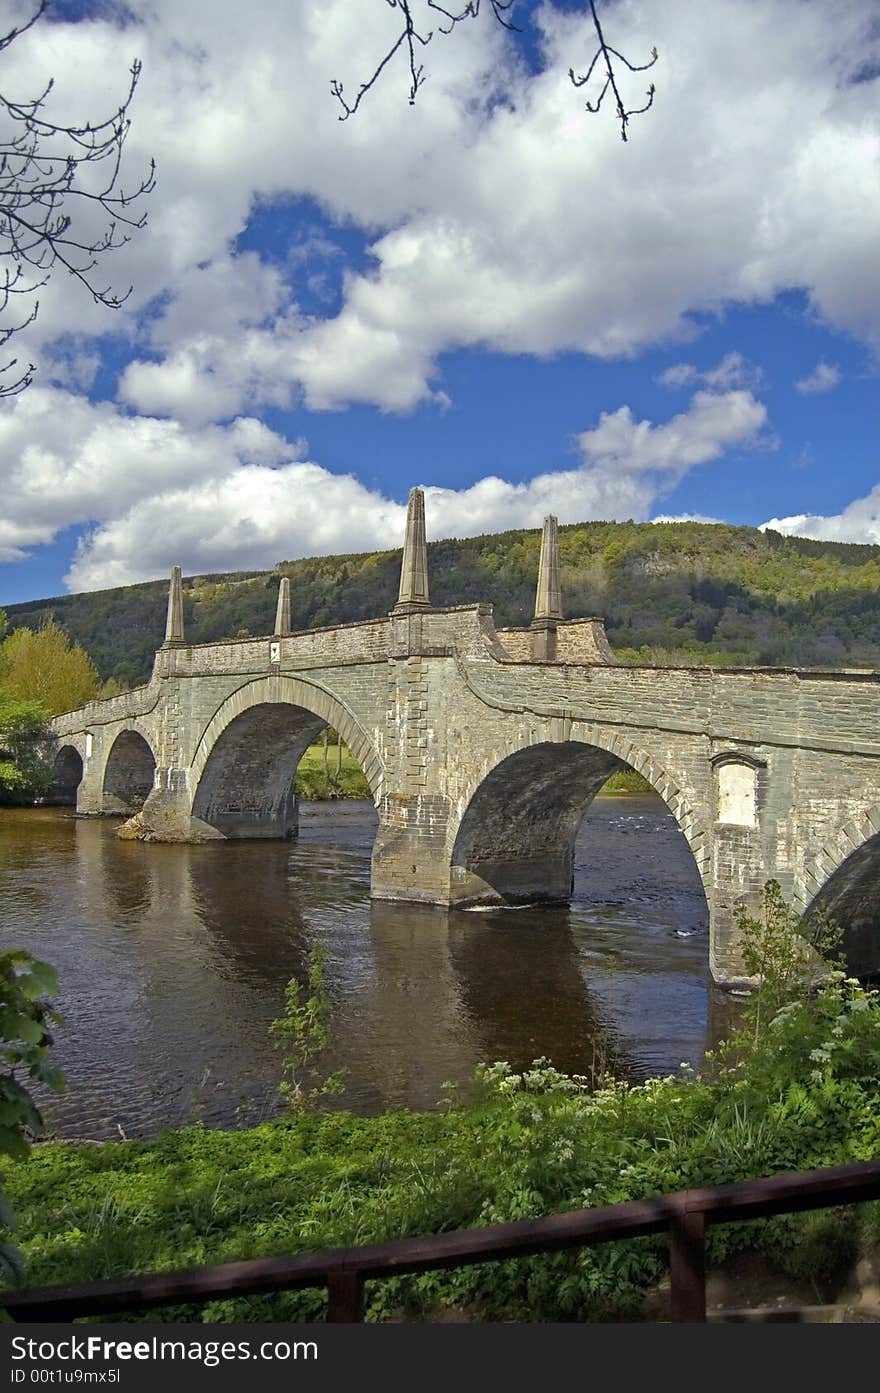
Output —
(345, 1295)
(687, 1255)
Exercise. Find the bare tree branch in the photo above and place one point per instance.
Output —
(409, 37)
(604, 54)
(45, 174)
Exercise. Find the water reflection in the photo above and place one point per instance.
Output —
(173, 961)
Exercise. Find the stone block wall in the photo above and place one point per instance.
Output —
(481, 762)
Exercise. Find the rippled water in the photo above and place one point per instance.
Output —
(173, 961)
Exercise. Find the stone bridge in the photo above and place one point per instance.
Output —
(483, 748)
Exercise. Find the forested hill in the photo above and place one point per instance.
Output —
(670, 592)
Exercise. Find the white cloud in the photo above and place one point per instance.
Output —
(523, 226)
(858, 522)
(70, 461)
(687, 517)
(259, 505)
(711, 425)
(733, 371)
(823, 378)
(249, 518)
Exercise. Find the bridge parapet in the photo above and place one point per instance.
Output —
(102, 711)
(483, 749)
(577, 641)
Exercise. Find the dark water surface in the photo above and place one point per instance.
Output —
(173, 960)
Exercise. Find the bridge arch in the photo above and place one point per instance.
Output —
(516, 832)
(843, 878)
(129, 773)
(241, 775)
(67, 773)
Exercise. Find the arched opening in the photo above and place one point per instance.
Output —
(516, 841)
(247, 785)
(634, 932)
(129, 775)
(852, 897)
(66, 777)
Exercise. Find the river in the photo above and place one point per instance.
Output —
(172, 962)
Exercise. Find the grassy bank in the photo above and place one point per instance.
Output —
(804, 1095)
(344, 778)
(626, 781)
(340, 777)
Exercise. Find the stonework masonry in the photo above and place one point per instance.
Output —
(481, 762)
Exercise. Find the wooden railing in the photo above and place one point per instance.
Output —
(345, 1270)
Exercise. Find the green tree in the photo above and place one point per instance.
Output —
(24, 736)
(26, 987)
(44, 665)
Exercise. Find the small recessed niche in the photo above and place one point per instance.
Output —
(737, 790)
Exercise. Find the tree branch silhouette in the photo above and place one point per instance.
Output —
(410, 39)
(47, 189)
(603, 55)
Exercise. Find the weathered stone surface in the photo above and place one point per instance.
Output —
(414, 568)
(481, 763)
(174, 621)
(548, 601)
(282, 610)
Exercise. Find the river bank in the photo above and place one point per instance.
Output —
(333, 772)
(530, 1143)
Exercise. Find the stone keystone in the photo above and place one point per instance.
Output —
(548, 604)
(174, 622)
(282, 613)
(414, 569)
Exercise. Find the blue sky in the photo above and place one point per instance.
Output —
(487, 294)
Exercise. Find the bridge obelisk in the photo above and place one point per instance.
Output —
(282, 612)
(413, 595)
(174, 621)
(412, 600)
(548, 602)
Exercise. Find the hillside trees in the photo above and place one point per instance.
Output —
(62, 203)
(669, 592)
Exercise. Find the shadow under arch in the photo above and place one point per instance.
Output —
(243, 769)
(67, 773)
(515, 842)
(129, 774)
(850, 892)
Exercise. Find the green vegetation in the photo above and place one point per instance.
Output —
(24, 771)
(26, 987)
(302, 1036)
(800, 1092)
(328, 769)
(43, 665)
(626, 781)
(41, 673)
(784, 954)
(670, 592)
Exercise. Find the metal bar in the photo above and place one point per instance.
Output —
(687, 1263)
(345, 1295)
